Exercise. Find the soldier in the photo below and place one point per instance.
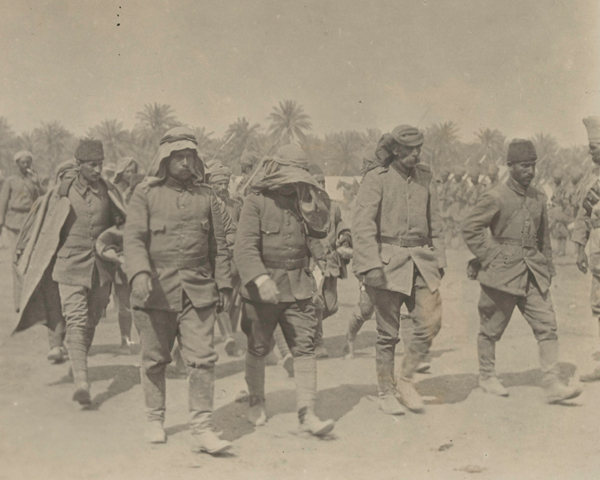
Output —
(457, 197)
(516, 270)
(399, 250)
(17, 197)
(336, 255)
(126, 169)
(587, 228)
(492, 175)
(476, 188)
(272, 256)
(247, 162)
(558, 216)
(177, 264)
(220, 176)
(445, 202)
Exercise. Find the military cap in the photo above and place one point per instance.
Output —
(408, 136)
(89, 150)
(520, 151)
(592, 125)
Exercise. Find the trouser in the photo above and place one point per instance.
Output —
(82, 308)
(55, 321)
(329, 297)
(361, 313)
(495, 310)
(121, 296)
(425, 308)
(297, 320)
(194, 330)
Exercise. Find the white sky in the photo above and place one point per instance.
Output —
(521, 66)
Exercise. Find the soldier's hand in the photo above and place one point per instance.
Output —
(582, 262)
(141, 286)
(224, 299)
(268, 291)
(375, 278)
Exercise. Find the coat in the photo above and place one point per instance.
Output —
(587, 223)
(397, 226)
(175, 234)
(335, 265)
(507, 230)
(40, 249)
(272, 240)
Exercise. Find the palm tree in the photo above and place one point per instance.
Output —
(441, 144)
(115, 140)
(288, 123)
(344, 152)
(240, 136)
(546, 148)
(54, 143)
(153, 121)
(492, 145)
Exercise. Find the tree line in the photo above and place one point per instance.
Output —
(338, 153)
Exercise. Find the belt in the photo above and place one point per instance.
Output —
(287, 264)
(528, 242)
(20, 209)
(404, 242)
(180, 263)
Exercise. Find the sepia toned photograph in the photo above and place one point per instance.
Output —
(276, 239)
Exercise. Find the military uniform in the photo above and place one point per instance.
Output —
(174, 234)
(516, 270)
(271, 246)
(397, 228)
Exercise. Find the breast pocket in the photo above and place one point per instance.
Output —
(157, 226)
(205, 227)
(269, 228)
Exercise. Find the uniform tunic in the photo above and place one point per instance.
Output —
(16, 199)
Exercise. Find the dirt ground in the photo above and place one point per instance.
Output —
(464, 433)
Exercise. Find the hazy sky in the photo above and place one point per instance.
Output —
(521, 66)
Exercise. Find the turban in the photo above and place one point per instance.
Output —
(459, 171)
(592, 125)
(521, 151)
(22, 154)
(219, 173)
(474, 171)
(408, 136)
(89, 150)
(176, 139)
(291, 156)
(248, 158)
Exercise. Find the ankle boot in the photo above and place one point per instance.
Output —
(306, 391)
(154, 387)
(385, 383)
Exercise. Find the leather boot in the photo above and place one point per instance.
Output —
(306, 391)
(76, 345)
(554, 389)
(255, 379)
(201, 383)
(155, 388)
(284, 351)
(405, 385)
(385, 383)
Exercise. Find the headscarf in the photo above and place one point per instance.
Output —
(122, 165)
(63, 168)
(176, 139)
(219, 172)
(289, 166)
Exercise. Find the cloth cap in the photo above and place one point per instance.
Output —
(219, 173)
(89, 150)
(291, 156)
(592, 125)
(521, 151)
(408, 136)
(22, 154)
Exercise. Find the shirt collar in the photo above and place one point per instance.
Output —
(178, 186)
(516, 186)
(82, 185)
(402, 170)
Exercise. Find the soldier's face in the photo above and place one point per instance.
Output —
(523, 173)
(90, 171)
(24, 164)
(129, 172)
(408, 156)
(221, 188)
(595, 152)
(181, 164)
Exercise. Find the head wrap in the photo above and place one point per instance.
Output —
(459, 171)
(89, 150)
(122, 165)
(64, 167)
(249, 158)
(22, 154)
(289, 166)
(592, 125)
(176, 139)
(408, 136)
(219, 173)
(369, 157)
(520, 151)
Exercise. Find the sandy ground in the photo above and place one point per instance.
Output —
(463, 434)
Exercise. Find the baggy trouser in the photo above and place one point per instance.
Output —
(495, 310)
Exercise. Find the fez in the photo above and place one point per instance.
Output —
(408, 136)
(521, 151)
(89, 150)
(592, 125)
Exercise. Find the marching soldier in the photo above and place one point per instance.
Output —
(587, 227)
(457, 197)
(476, 188)
(272, 255)
(516, 270)
(558, 213)
(17, 197)
(125, 172)
(177, 264)
(399, 251)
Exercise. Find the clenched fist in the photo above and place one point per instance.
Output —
(141, 286)
(268, 291)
